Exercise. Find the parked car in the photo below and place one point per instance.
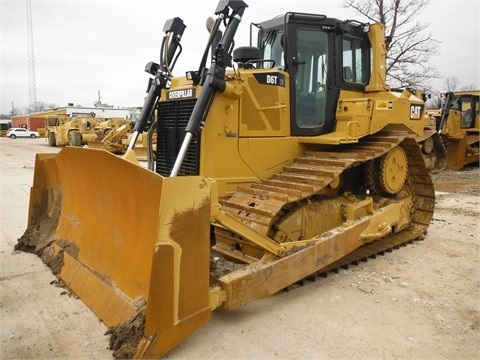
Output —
(13, 133)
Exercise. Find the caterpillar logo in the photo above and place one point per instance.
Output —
(416, 112)
(181, 94)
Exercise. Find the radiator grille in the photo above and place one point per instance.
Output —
(173, 117)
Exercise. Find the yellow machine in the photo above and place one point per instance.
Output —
(112, 140)
(297, 160)
(106, 125)
(459, 124)
(109, 134)
(80, 130)
(114, 136)
(74, 131)
(431, 144)
(4, 126)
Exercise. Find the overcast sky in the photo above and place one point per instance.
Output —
(85, 46)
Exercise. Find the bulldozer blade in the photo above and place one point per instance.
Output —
(456, 149)
(126, 241)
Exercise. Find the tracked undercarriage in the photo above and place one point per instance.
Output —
(341, 189)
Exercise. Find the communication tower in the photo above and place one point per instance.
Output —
(32, 89)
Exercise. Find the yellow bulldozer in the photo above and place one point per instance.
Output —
(273, 162)
(458, 122)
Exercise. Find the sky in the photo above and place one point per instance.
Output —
(86, 49)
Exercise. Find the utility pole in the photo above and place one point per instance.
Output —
(32, 89)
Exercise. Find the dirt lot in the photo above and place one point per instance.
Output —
(421, 301)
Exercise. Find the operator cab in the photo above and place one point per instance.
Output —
(322, 56)
(468, 105)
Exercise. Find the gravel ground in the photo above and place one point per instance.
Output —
(420, 301)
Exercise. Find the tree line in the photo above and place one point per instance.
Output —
(33, 108)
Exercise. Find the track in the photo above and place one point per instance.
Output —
(423, 207)
(262, 205)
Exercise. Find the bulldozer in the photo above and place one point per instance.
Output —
(458, 123)
(274, 162)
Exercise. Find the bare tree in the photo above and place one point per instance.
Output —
(409, 47)
(450, 84)
(38, 107)
(469, 87)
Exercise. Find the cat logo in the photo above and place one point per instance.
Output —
(181, 94)
(416, 112)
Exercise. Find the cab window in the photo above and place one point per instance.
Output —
(311, 78)
(354, 61)
(272, 46)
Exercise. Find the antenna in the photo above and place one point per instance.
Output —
(32, 89)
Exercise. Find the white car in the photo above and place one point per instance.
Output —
(13, 133)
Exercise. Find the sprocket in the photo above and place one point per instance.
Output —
(393, 170)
